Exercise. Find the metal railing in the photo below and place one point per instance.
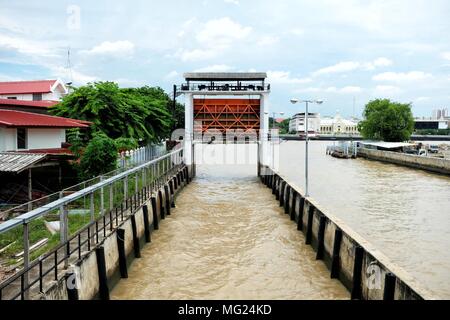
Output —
(123, 199)
(224, 87)
(127, 160)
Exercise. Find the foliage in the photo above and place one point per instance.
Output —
(77, 141)
(100, 156)
(142, 114)
(123, 144)
(386, 120)
(283, 126)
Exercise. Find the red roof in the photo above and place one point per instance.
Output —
(17, 87)
(12, 118)
(37, 104)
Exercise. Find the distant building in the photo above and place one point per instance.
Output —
(430, 123)
(338, 125)
(37, 90)
(439, 120)
(34, 133)
(326, 126)
(297, 123)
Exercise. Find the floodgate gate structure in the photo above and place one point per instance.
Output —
(125, 208)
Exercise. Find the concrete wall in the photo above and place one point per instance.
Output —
(376, 270)
(408, 160)
(86, 269)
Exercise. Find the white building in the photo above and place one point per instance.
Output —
(325, 126)
(38, 90)
(297, 123)
(338, 125)
(37, 133)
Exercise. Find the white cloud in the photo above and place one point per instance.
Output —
(116, 48)
(297, 32)
(382, 62)
(333, 89)
(77, 76)
(215, 36)
(402, 76)
(222, 32)
(26, 46)
(215, 68)
(284, 77)
(422, 99)
(386, 91)
(350, 90)
(171, 75)
(446, 55)
(267, 40)
(195, 54)
(236, 2)
(345, 66)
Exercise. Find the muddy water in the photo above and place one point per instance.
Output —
(404, 212)
(228, 239)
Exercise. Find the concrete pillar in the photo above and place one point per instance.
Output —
(264, 130)
(189, 128)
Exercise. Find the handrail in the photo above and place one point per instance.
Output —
(36, 213)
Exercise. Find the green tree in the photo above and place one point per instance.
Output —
(284, 126)
(142, 114)
(100, 156)
(388, 121)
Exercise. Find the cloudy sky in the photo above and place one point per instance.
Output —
(340, 51)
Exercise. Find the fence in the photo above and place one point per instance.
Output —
(137, 156)
(127, 159)
(96, 208)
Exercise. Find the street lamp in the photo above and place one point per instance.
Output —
(294, 101)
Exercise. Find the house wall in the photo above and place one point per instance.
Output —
(37, 138)
(7, 139)
(46, 138)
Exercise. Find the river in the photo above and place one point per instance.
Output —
(228, 239)
(404, 212)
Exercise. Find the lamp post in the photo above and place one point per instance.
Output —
(294, 101)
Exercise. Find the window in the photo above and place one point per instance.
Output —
(37, 96)
(12, 98)
(21, 138)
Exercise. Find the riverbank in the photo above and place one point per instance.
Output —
(437, 165)
(292, 137)
(402, 211)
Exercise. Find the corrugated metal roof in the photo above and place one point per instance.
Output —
(17, 162)
(387, 145)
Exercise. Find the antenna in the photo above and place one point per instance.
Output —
(69, 67)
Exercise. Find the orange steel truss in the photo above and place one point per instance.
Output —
(225, 114)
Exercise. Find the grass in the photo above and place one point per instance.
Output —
(38, 230)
